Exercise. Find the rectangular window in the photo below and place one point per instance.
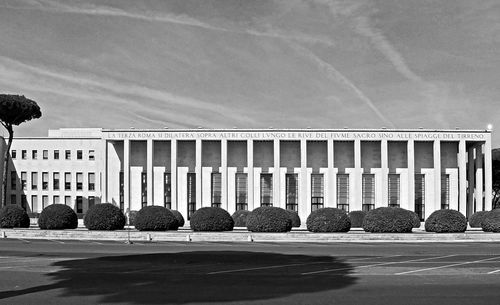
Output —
(91, 181)
(45, 154)
(445, 191)
(24, 202)
(266, 189)
(292, 192)
(67, 154)
(56, 155)
(67, 200)
(122, 192)
(13, 180)
(241, 191)
(144, 189)
(343, 192)
(317, 191)
(34, 203)
(55, 200)
(394, 190)
(79, 181)
(191, 194)
(91, 155)
(79, 154)
(167, 191)
(24, 178)
(23, 154)
(420, 195)
(34, 154)
(34, 180)
(67, 181)
(216, 184)
(45, 181)
(13, 154)
(45, 201)
(79, 204)
(368, 189)
(55, 181)
(91, 201)
(13, 199)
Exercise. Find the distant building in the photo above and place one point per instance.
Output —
(296, 169)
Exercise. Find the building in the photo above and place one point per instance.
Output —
(297, 169)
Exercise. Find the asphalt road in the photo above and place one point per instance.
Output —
(97, 272)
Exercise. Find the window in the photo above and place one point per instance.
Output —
(368, 189)
(56, 155)
(144, 189)
(91, 155)
(24, 202)
(241, 191)
(45, 181)
(13, 180)
(24, 178)
(45, 201)
(13, 199)
(343, 192)
(34, 154)
(393, 190)
(292, 192)
(317, 191)
(13, 154)
(445, 191)
(167, 191)
(79, 204)
(79, 154)
(122, 192)
(34, 203)
(79, 181)
(67, 181)
(23, 154)
(91, 181)
(91, 201)
(420, 195)
(34, 180)
(67, 154)
(266, 189)
(45, 154)
(216, 184)
(55, 181)
(67, 200)
(191, 194)
(55, 199)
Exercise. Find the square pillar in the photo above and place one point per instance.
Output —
(411, 174)
(437, 176)
(305, 182)
(250, 173)
(276, 175)
(478, 193)
(198, 172)
(384, 187)
(462, 177)
(104, 170)
(173, 173)
(149, 171)
(206, 186)
(472, 183)
(356, 178)
(488, 172)
(224, 177)
(126, 175)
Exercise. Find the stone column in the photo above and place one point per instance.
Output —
(250, 173)
(224, 177)
(462, 177)
(478, 193)
(197, 170)
(126, 174)
(149, 171)
(304, 180)
(383, 189)
(276, 175)
(173, 173)
(103, 170)
(355, 205)
(472, 183)
(437, 175)
(488, 179)
(410, 151)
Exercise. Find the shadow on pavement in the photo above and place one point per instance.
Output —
(173, 278)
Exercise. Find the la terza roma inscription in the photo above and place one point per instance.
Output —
(271, 135)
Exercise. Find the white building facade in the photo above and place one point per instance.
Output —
(296, 169)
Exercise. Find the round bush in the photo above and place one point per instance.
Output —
(104, 216)
(294, 217)
(58, 217)
(446, 221)
(240, 218)
(357, 218)
(388, 220)
(155, 218)
(14, 216)
(491, 223)
(211, 219)
(328, 220)
(414, 218)
(269, 219)
(476, 219)
(179, 217)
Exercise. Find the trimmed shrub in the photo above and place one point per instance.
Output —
(388, 220)
(14, 216)
(179, 217)
(476, 219)
(294, 217)
(446, 221)
(357, 218)
(328, 220)
(57, 217)
(414, 219)
(211, 219)
(269, 219)
(104, 216)
(491, 223)
(240, 218)
(155, 218)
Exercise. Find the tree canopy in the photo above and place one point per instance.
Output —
(17, 109)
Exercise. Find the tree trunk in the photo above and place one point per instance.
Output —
(6, 158)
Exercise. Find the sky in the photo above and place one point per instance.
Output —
(254, 64)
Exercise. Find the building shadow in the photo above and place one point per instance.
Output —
(200, 276)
